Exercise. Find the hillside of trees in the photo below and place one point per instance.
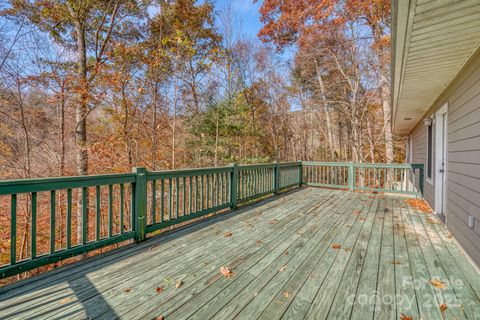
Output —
(92, 86)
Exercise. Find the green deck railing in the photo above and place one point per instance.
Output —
(90, 212)
(377, 177)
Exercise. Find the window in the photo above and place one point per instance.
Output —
(429, 151)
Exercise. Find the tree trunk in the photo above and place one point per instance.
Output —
(81, 120)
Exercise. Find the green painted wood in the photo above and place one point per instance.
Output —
(69, 219)
(435, 270)
(385, 306)
(427, 300)
(263, 254)
(52, 221)
(404, 287)
(98, 212)
(140, 204)
(185, 235)
(342, 304)
(241, 290)
(122, 208)
(33, 228)
(457, 280)
(13, 229)
(98, 283)
(169, 267)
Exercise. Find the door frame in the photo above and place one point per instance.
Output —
(441, 156)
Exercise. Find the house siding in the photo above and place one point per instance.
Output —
(463, 159)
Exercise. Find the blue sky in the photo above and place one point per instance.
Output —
(247, 12)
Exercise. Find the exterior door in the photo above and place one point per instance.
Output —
(441, 143)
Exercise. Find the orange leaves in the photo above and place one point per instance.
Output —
(227, 234)
(395, 262)
(405, 317)
(336, 246)
(179, 284)
(159, 289)
(443, 308)
(226, 272)
(420, 205)
(127, 290)
(282, 269)
(437, 283)
(431, 221)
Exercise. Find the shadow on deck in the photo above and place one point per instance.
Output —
(313, 253)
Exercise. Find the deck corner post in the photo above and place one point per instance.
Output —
(233, 186)
(422, 179)
(276, 179)
(351, 176)
(140, 206)
(300, 173)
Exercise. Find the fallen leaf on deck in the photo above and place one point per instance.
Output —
(395, 262)
(63, 301)
(205, 263)
(286, 294)
(443, 308)
(431, 221)
(226, 272)
(258, 242)
(285, 253)
(363, 219)
(437, 283)
(403, 316)
(283, 268)
(179, 284)
(273, 221)
(348, 226)
(450, 236)
(159, 318)
(127, 290)
(348, 249)
(420, 205)
(357, 211)
(336, 246)
(154, 246)
(159, 289)
(227, 234)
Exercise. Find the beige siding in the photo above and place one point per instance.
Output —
(463, 165)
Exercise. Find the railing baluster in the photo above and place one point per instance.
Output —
(110, 210)
(170, 196)
(162, 203)
(177, 199)
(122, 205)
(13, 229)
(85, 215)
(184, 197)
(98, 213)
(33, 235)
(154, 201)
(52, 221)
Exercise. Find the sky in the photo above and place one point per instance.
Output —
(247, 13)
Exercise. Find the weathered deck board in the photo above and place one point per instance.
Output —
(285, 267)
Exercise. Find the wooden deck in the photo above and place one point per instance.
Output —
(313, 254)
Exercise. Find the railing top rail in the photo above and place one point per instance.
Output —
(255, 166)
(48, 184)
(187, 172)
(332, 164)
(289, 164)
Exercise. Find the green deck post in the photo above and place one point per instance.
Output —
(233, 185)
(140, 204)
(421, 182)
(351, 176)
(276, 181)
(300, 173)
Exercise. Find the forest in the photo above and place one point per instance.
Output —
(103, 86)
